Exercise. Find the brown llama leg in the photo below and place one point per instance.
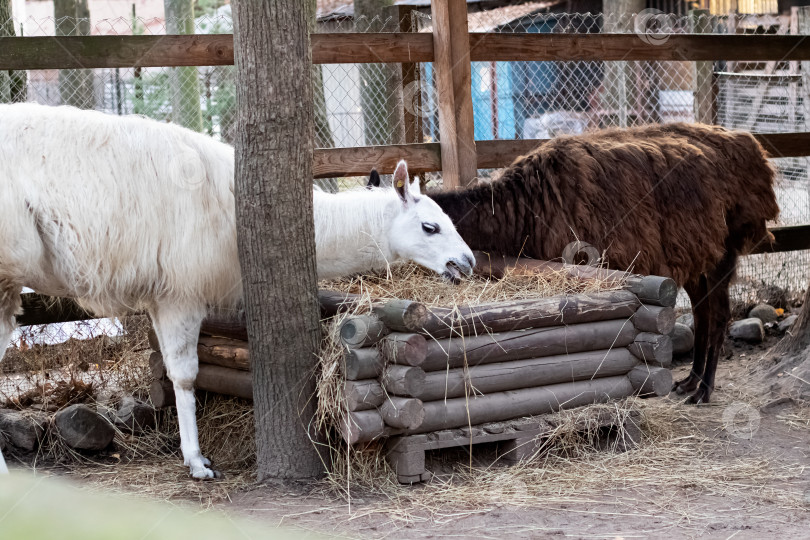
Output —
(701, 311)
(718, 282)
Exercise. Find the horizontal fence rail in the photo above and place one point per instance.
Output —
(77, 52)
(492, 154)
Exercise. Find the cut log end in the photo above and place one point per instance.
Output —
(655, 290)
(655, 319)
(404, 413)
(362, 426)
(362, 331)
(651, 381)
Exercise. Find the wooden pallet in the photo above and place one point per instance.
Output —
(521, 438)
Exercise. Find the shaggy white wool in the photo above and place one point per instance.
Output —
(126, 213)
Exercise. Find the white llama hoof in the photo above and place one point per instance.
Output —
(199, 468)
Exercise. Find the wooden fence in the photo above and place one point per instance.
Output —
(451, 48)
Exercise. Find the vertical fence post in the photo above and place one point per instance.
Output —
(411, 83)
(703, 73)
(803, 24)
(451, 44)
(618, 19)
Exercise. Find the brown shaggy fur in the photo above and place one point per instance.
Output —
(678, 200)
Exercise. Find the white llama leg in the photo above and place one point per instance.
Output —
(9, 305)
(177, 331)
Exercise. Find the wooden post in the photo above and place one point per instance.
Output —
(804, 29)
(451, 44)
(411, 82)
(618, 98)
(703, 73)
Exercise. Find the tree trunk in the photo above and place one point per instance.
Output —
(274, 150)
(380, 84)
(13, 84)
(75, 85)
(184, 81)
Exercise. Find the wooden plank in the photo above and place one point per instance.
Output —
(462, 87)
(504, 47)
(39, 309)
(358, 161)
(445, 93)
(703, 72)
(411, 84)
(492, 154)
(791, 238)
(77, 52)
(365, 48)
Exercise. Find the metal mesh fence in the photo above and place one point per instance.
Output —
(366, 104)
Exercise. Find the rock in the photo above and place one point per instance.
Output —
(750, 330)
(83, 428)
(22, 430)
(134, 415)
(786, 324)
(683, 339)
(687, 319)
(764, 313)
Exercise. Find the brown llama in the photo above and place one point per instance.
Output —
(677, 200)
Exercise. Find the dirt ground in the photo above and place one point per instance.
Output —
(732, 469)
(763, 509)
(769, 432)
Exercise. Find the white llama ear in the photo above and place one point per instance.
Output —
(401, 182)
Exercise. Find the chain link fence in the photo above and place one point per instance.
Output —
(380, 104)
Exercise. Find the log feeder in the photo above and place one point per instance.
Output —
(411, 370)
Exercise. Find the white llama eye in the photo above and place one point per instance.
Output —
(430, 228)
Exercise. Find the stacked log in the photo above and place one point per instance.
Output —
(222, 350)
(412, 369)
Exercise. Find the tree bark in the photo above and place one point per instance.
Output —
(184, 81)
(75, 85)
(380, 84)
(276, 236)
(13, 84)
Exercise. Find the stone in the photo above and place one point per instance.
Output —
(134, 415)
(787, 324)
(683, 339)
(750, 330)
(687, 319)
(764, 313)
(83, 428)
(22, 430)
